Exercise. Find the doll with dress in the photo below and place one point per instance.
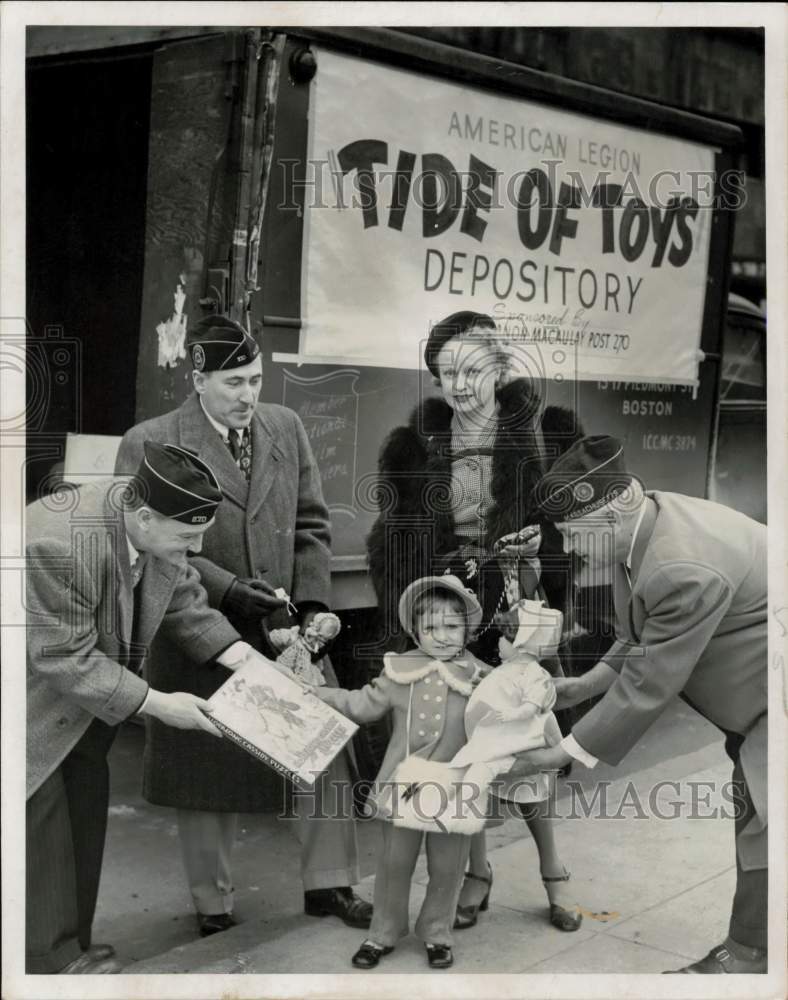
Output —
(511, 709)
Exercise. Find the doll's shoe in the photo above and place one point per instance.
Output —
(369, 954)
(560, 917)
(439, 956)
(468, 915)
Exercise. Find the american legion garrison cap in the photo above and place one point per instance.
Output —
(178, 484)
(586, 477)
(217, 343)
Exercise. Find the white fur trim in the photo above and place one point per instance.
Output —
(462, 687)
(432, 804)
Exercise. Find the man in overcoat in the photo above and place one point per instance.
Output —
(690, 587)
(272, 532)
(106, 569)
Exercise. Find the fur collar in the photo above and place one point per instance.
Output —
(460, 674)
(517, 401)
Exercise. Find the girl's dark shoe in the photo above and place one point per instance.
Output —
(468, 915)
(439, 956)
(560, 917)
(369, 954)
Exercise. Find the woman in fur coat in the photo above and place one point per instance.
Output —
(455, 486)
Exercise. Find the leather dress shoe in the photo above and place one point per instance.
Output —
(720, 960)
(369, 954)
(439, 956)
(214, 923)
(88, 965)
(342, 903)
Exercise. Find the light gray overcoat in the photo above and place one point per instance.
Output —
(79, 620)
(693, 623)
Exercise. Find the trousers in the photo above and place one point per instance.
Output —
(750, 911)
(66, 825)
(325, 828)
(447, 854)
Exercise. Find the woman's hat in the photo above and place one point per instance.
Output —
(412, 593)
(586, 477)
(453, 326)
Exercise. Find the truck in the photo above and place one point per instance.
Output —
(337, 190)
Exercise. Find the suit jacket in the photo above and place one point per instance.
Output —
(79, 621)
(694, 623)
(276, 526)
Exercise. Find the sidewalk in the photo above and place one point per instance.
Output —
(656, 893)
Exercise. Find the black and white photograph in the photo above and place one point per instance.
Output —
(393, 500)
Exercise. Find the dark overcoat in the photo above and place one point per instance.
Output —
(415, 528)
(79, 621)
(276, 527)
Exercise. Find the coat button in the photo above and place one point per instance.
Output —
(438, 718)
(436, 733)
(422, 715)
(438, 698)
(426, 697)
(422, 733)
(439, 683)
(62, 722)
(427, 680)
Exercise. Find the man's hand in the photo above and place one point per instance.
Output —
(572, 690)
(535, 761)
(569, 691)
(179, 709)
(251, 599)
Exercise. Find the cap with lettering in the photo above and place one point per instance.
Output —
(586, 477)
(178, 484)
(218, 343)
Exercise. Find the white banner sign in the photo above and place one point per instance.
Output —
(586, 241)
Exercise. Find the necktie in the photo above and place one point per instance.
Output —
(137, 651)
(240, 446)
(622, 594)
(137, 570)
(234, 441)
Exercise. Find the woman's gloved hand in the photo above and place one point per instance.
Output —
(523, 544)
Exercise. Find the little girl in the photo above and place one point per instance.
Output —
(426, 691)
